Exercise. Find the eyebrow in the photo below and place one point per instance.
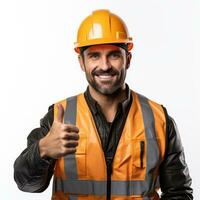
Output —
(114, 51)
(92, 53)
(109, 53)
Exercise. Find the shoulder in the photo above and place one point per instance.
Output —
(144, 99)
(147, 104)
(67, 99)
(65, 102)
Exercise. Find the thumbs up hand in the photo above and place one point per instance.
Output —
(62, 139)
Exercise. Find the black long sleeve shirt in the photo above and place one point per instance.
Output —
(33, 174)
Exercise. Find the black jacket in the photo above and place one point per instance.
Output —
(33, 174)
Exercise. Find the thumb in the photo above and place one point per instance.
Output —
(60, 114)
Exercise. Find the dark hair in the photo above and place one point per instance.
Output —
(122, 45)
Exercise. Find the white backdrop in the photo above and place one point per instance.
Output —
(39, 67)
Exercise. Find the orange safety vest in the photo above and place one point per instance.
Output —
(141, 149)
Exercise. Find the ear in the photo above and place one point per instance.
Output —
(81, 62)
(128, 61)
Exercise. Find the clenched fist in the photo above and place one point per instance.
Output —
(62, 139)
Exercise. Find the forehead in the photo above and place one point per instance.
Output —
(103, 47)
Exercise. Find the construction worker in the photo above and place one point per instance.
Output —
(108, 142)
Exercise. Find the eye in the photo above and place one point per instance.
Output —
(115, 55)
(94, 56)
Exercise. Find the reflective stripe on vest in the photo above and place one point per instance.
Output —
(99, 187)
(70, 118)
(73, 185)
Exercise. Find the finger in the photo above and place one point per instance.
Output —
(70, 150)
(71, 143)
(71, 136)
(66, 151)
(70, 128)
(60, 114)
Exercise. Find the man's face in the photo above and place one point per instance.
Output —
(105, 67)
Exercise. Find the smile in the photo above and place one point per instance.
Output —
(104, 77)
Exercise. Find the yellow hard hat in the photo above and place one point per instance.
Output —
(102, 27)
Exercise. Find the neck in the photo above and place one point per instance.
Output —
(109, 103)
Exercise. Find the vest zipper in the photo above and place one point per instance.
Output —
(109, 169)
(109, 172)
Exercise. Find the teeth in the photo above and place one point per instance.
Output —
(105, 76)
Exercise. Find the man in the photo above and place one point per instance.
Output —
(110, 142)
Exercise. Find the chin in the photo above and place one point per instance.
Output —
(108, 91)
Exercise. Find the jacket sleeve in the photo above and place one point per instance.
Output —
(175, 180)
(31, 173)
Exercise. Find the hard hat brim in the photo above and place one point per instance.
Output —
(104, 41)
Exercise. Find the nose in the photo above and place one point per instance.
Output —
(105, 64)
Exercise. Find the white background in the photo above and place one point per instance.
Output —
(39, 67)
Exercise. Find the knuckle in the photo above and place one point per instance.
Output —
(75, 129)
(63, 150)
(64, 134)
(67, 135)
(72, 143)
(56, 125)
(63, 142)
(77, 136)
(72, 150)
(67, 144)
(74, 136)
(64, 126)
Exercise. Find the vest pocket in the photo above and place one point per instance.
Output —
(139, 153)
(145, 157)
(138, 159)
